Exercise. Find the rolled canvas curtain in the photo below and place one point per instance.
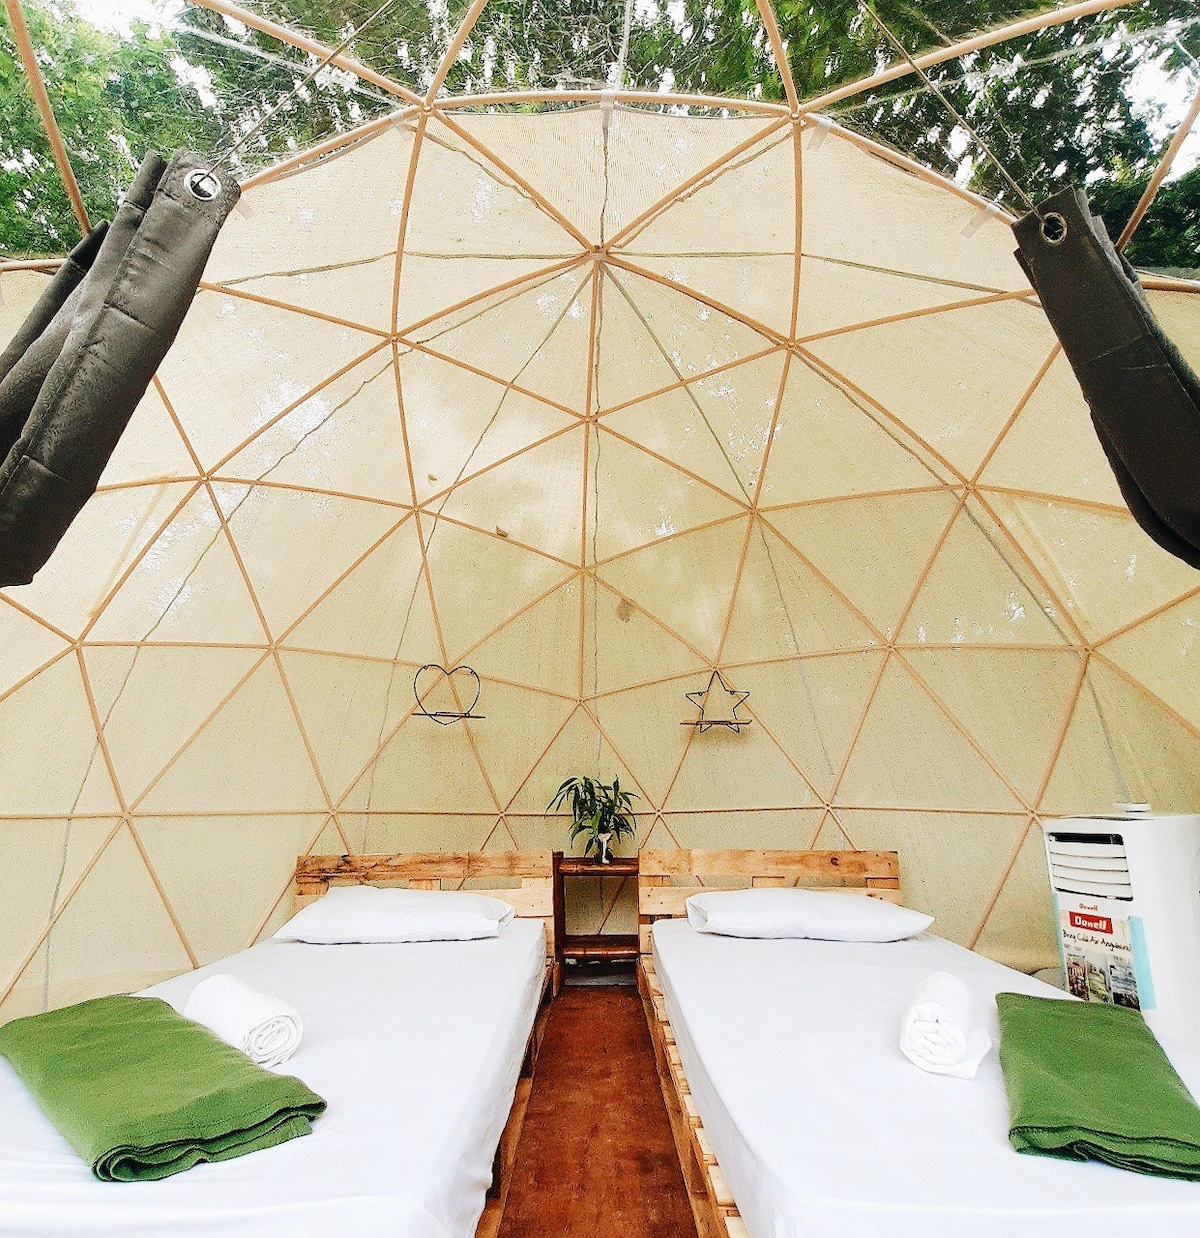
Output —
(82, 361)
(1144, 397)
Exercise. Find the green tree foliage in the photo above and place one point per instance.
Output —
(1053, 107)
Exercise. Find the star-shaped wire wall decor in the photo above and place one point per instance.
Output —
(718, 705)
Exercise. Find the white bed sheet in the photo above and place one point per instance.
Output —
(417, 1049)
(824, 1130)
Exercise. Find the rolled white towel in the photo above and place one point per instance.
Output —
(266, 1030)
(937, 1035)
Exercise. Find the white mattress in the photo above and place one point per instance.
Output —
(824, 1130)
(417, 1049)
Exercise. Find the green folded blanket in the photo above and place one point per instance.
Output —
(1089, 1081)
(141, 1093)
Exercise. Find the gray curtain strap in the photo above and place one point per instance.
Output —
(81, 362)
(1144, 397)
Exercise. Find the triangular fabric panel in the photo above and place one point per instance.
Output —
(910, 755)
(348, 707)
(115, 934)
(458, 423)
(623, 647)
(604, 182)
(934, 874)
(345, 437)
(975, 370)
(535, 647)
(29, 645)
(1052, 448)
(188, 586)
(533, 499)
(858, 208)
(665, 579)
(71, 589)
(151, 446)
(783, 607)
(292, 244)
(281, 359)
(326, 536)
(379, 608)
(827, 445)
(1122, 747)
(732, 771)
(1107, 572)
(981, 689)
(62, 768)
(428, 767)
(534, 336)
(696, 336)
(811, 707)
(48, 875)
(511, 741)
(393, 833)
(640, 498)
(788, 829)
(873, 550)
(466, 612)
(471, 227)
(716, 427)
(142, 719)
(1020, 930)
(249, 757)
(219, 918)
(1161, 653)
(980, 590)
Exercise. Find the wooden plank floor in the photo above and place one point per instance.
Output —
(596, 1158)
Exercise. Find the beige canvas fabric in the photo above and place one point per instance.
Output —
(592, 401)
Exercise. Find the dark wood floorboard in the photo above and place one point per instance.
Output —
(596, 1157)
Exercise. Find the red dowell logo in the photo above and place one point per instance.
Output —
(1093, 924)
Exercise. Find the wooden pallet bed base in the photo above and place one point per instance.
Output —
(873, 873)
(532, 898)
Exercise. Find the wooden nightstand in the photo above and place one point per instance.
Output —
(591, 947)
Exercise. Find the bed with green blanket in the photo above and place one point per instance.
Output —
(142, 1093)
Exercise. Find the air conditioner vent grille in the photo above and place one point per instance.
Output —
(1094, 865)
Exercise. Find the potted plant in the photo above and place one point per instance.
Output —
(603, 812)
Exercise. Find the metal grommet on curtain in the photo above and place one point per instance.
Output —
(1054, 228)
(202, 184)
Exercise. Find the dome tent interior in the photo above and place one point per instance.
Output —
(595, 389)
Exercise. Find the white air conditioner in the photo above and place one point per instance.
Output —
(1127, 905)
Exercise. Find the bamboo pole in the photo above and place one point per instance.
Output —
(37, 86)
(275, 31)
(1160, 173)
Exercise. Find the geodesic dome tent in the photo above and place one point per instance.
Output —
(594, 399)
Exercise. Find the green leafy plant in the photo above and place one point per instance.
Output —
(596, 809)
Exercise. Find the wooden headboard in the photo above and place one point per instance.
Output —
(875, 873)
(436, 870)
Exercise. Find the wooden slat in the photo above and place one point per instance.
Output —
(735, 1227)
(672, 900)
(722, 1195)
(455, 866)
(755, 863)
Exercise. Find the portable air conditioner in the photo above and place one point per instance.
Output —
(1127, 905)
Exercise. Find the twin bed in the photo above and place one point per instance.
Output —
(796, 1115)
(422, 1050)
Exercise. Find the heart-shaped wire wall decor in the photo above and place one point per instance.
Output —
(433, 681)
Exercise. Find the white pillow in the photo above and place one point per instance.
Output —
(371, 914)
(826, 914)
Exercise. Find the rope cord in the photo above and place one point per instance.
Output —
(295, 91)
(895, 42)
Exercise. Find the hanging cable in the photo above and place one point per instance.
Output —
(295, 91)
(983, 146)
